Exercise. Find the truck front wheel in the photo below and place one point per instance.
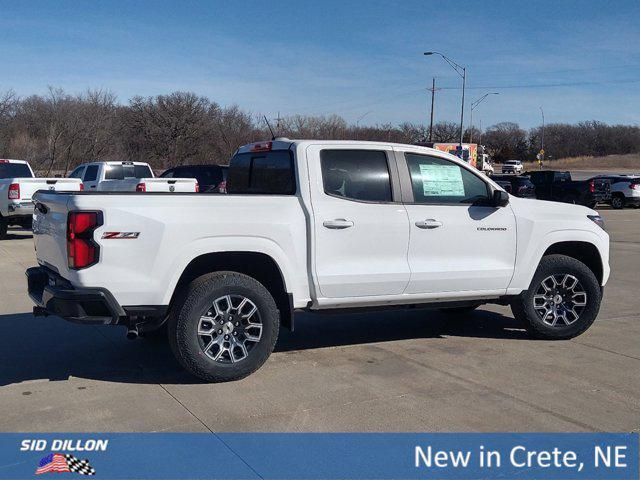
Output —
(562, 300)
(224, 326)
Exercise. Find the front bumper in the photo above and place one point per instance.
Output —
(54, 295)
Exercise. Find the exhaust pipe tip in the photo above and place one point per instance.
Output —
(132, 333)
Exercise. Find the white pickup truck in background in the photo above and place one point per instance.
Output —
(128, 177)
(315, 225)
(17, 185)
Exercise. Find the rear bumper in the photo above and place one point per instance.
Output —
(20, 208)
(54, 295)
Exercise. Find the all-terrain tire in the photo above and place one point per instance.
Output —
(558, 265)
(195, 301)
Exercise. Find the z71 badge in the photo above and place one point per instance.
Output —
(120, 235)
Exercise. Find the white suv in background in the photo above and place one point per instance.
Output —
(512, 166)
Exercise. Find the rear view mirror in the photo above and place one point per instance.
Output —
(500, 198)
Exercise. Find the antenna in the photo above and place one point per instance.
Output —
(273, 135)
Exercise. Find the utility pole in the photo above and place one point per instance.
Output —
(433, 98)
(541, 153)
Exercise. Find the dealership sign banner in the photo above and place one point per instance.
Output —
(320, 455)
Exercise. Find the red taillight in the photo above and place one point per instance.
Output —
(141, 187)
(82, 187)
(197, 187)
(82, 252)
(592, 186)
(222, 186)
(261, 147)
(14, 191)
(634, 186)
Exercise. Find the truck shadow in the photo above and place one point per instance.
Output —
(53, 349)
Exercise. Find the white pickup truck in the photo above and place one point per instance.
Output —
(17, 185)
(316, 225)
(129, 177)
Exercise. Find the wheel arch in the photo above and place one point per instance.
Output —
(257, 265)
(586, 246)
(582, 251)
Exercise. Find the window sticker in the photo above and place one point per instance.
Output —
(441, 181)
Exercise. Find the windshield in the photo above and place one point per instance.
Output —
(15, 170)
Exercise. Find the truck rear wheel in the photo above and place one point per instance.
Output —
(562, 300)
(3, 228)
(224, 326)
(617, 201)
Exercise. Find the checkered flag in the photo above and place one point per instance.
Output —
(79, 466)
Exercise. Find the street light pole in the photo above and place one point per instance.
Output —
(358, 123)
(474, 104)
(542, 140)
(462, 71)
(464, 82)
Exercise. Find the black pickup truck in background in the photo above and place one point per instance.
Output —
(211, 178)
(560, 187)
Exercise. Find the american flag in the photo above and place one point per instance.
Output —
(61, 463)
(54, 462)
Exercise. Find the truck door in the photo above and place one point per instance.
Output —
(458, 244)
(361, 229)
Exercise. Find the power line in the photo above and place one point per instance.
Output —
(548, 85)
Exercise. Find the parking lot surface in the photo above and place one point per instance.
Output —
(412, 370)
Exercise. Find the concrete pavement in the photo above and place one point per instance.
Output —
(391, 371)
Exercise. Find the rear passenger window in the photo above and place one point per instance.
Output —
(436, 180)
(91, 174)
(356, 175)
(268, 173)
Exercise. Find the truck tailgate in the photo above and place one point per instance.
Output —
(50, 230)
(602, 188)
(29, 186)
(169, 184)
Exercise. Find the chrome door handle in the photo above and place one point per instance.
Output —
(428, 224)
(338, 224)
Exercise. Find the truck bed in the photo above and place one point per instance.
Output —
(169, 228)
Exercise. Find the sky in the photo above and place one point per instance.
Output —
(362, 60)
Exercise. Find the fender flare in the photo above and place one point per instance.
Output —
(528, 264)
(222, 244)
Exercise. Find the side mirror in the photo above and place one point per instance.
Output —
(500, 198)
